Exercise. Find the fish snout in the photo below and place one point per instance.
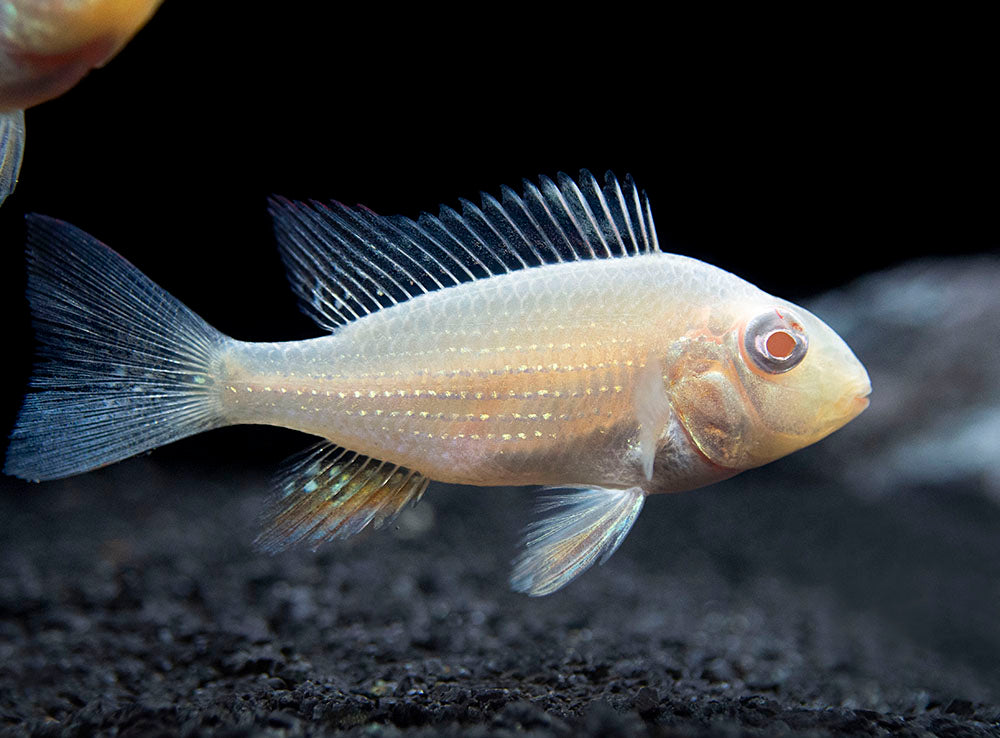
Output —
(852, 399)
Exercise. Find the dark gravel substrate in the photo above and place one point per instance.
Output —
(131, 603)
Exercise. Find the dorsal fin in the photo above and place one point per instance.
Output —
(347, 262)
(329, 493)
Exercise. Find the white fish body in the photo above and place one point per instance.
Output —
(488, 348)
(526, 378)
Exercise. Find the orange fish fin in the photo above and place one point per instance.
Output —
(331, 493)
(588, 526)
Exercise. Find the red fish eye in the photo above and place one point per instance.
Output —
(775, 342)
(780, 344)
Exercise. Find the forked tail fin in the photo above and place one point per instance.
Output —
(124, 367)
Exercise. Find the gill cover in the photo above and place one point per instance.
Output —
(705, 395)
(778, 380)
(735, 393)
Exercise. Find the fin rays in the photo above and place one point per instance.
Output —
(124, 366)
(11, 150)
(331, 493)
(347, 262)
(585, 526)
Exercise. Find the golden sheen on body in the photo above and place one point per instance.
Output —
(540, 338)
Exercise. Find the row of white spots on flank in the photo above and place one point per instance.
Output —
(534, 347)
(471, 417)
(466, 371)
(448, 394)
(479, 395)
(506, 369)
(476, 436)
(282, 390)
(523, 369)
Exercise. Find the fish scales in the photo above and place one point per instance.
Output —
(455, 392)
(542, 339)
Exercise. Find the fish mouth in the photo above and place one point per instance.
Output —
(861, 400)
(854, 402)
(848, 406)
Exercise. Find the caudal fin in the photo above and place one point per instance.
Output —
(11, 150)
(124, 366)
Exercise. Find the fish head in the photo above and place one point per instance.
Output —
(768, 379)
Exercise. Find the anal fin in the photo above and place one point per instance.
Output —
(331, 493)
(588, 526)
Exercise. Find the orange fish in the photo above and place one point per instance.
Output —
(46, 47)
(539, 339)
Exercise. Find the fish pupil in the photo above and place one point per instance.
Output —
(780, 344)
(771, 345)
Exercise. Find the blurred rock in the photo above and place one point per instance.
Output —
(929, 334)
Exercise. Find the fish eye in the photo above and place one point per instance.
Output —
(775, 341)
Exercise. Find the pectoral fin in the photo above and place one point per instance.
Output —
(652, 410)
(11, 150)
(588, 526)
(333, 493)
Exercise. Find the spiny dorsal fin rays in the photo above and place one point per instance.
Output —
(415, 234)
(345, 263)
(598, 215)
(476, 256)
(367, 259)
(435, 266)
(310, 277)
(583, 217)
(654, 244)
(487, 233)
(331, 493)
(516, 210)
(622, 214)
(399, 264)
(349, 261)
(547, 213)
(500, 223)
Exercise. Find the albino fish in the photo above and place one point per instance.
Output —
(541, 339)
(46, 47)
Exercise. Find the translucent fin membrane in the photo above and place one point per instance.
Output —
(11, 150)
(344, 263)
(126, 367)
(587, 526)
(331, 493)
